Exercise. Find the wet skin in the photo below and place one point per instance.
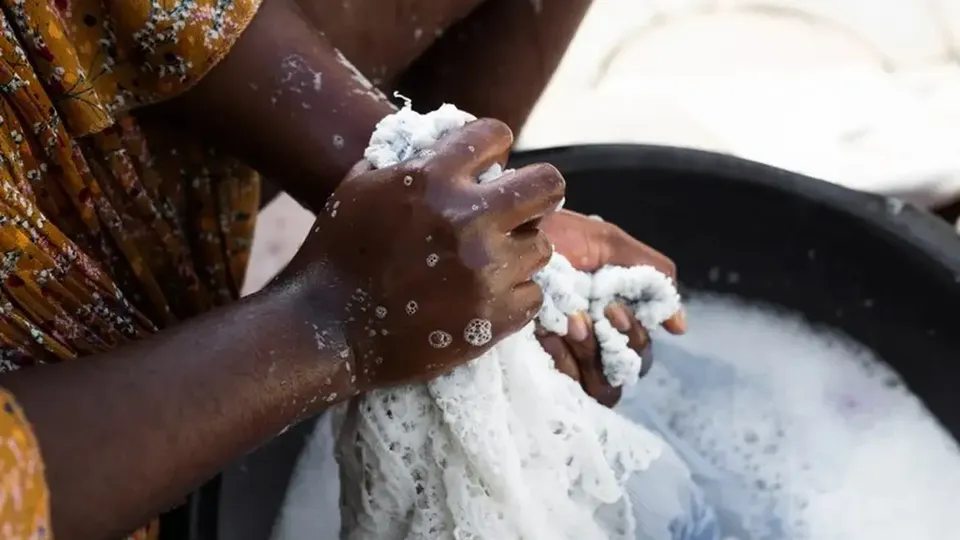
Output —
(132, 431)
(508, 39)
(479, 244)
(127, 434)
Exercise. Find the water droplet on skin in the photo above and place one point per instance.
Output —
(407, 180)
(432, 260)
(439, 339)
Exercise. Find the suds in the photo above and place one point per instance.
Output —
(826, 441)
(817, 434)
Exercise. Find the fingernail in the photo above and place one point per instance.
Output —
(577, 327)
(620, 319)
(681, 319)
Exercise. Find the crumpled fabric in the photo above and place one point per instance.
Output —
(506, 446)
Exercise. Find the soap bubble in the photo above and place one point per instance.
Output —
(478, 332)
(439, 339)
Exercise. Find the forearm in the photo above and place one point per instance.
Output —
(498, 60)
(286, 102)
(127, 434)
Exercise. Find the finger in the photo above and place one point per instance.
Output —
(628, 251)
(523, 196)
(646, 354)
(638, 339)
(529, 253)
(470, 150)
(524, 302)
(625, 250)
(677, 324)
(587, 354)
(563, 359)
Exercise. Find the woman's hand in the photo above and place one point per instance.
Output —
(590, 244)
(435, 268)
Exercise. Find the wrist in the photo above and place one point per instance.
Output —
(325, 362)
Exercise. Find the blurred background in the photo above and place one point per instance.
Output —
(864, 93)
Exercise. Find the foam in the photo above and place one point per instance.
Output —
(791, 424)
(824, 439)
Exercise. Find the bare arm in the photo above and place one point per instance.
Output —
(498, 60)
(125, 434)
(286, 102)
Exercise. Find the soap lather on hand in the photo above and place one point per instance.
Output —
(603, 355)
(590, 244)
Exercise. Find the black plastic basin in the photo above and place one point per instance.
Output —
(795, 241)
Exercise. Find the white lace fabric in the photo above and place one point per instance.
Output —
(505, 447)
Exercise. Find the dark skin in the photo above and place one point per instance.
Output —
(130, 432)
(433, 50)
(478, 243)
(511, 38)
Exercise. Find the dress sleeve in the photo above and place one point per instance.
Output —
(24, 500)
(100, 59)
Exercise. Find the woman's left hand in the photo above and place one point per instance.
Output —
(589, 244)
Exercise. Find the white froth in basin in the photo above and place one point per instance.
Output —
(793, 433)
(806, 435)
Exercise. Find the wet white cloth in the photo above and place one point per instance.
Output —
(505, 447)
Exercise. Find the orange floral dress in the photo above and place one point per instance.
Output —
(110, 229)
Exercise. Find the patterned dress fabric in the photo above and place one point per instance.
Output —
(111, 228)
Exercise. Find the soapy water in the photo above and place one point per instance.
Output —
(790, 432)
(803, 433)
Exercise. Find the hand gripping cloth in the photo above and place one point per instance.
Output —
(505, 447)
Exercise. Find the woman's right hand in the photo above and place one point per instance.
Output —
(435, 268)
